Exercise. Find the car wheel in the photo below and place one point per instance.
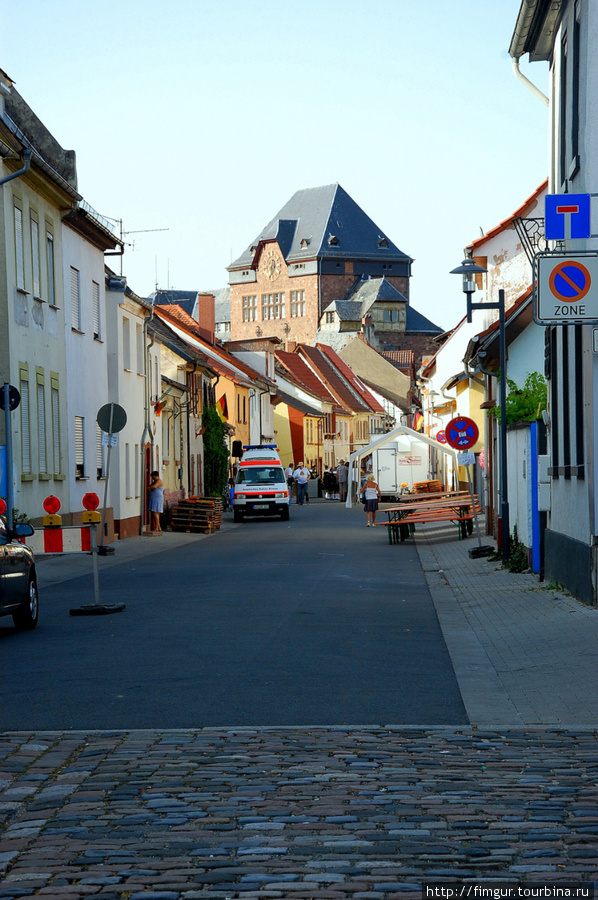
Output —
(26, 615)
(237, 515)
(285, 514)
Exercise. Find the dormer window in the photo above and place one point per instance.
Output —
(332, 240)
(252, 250)
(382, 243)
(305, 243)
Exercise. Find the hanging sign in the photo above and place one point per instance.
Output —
(566, 289)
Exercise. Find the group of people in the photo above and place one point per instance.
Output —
(332, 483)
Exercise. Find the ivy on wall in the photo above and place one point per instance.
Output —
(524, 404)
(216, 454)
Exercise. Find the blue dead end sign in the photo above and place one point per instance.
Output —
(566, 216)
(461, 433)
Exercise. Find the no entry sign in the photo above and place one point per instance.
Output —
(461, 433)
(566, 290)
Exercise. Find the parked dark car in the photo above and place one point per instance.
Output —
(18, 581)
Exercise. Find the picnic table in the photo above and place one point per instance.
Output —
(457, 508)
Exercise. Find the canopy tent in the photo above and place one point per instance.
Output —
(357, 456)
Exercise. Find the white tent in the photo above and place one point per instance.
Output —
(357, 456)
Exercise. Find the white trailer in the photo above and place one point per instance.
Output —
(410, 446)
(402, 461)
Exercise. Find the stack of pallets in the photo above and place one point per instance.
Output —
(427, 487)
(197, 514)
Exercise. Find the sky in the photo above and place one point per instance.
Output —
(194, 122)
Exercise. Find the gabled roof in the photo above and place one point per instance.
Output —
(303, 375)
(323, 223)
(508, 222)
(324, 367)
(415, 322)
(350, 376)
(222, 362)
(400, 359)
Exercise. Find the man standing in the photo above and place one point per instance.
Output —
(301, 476)
(288, 474)
(342, 476)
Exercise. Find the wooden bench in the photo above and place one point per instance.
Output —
(402, 520)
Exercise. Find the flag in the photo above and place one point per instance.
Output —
(418, 422)
(222, 408)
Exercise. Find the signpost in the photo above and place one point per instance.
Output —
(462, 434)
(567, 217)
(566, 289)
(111, 418)
(9, 401)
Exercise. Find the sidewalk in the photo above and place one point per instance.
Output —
(523, 654)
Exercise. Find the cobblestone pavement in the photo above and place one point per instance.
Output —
(367, 812)
(304, 813)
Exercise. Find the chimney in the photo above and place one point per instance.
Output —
(290, 346)
(206, 317)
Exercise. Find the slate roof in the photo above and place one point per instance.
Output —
(361, 297)
(185, 299)
(415, 322)
(312, 217)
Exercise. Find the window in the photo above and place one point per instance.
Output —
(20, 257)
(41, 424)
(137, 461)
(391, 315)
(99, 452)
(139, 345)
(127, 471)
(95, 297)
(75, 299)
(272, 306)
(126, 343)
(250, 309)
(297, 304)
(37, 291)
(329, 318)
(50, 265)
(25, 423)
(79, 447)
(55, 422)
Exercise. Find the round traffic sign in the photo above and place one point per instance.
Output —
(2, 507)
(441, 437)
(461, 433)
(570, 281)
(14, 398)
(111, 418)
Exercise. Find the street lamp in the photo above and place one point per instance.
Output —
(469, 269)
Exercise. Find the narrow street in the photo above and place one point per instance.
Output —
(497, 787)
(312, 621)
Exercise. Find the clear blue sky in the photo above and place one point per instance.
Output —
(204, 118)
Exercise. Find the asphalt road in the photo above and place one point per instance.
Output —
(315, 621)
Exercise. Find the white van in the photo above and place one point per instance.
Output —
(260, 484)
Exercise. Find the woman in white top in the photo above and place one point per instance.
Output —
(371, 493)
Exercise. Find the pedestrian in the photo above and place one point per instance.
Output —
(301, 476)
(371, 493)
(342, 476)
(156, 501)
(288, 474)
(328, 483)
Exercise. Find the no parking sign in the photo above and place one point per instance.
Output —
(461, 433)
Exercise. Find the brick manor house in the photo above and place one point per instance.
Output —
(315, 252)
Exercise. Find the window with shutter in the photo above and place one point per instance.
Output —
(19, 248)
(75, 299)
(37, 291)
(126, 343)
(50, 264)
(41, 427)
(95, 291)
(56, 429)
(79, 447)
(99, 452)
(25, 428)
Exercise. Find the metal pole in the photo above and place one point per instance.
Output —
(503, 429)
(8, 438)
(107, 475)
(94, 550)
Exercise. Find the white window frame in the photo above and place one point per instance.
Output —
(25, 423)
(42, 450)
(75, 299)
(35, 264)
(80, 447)
(19, 248)
(50, 266)
(97, 312)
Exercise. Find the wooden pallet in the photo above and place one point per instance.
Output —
(197, 515)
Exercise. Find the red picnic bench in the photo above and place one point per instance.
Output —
(458, 509)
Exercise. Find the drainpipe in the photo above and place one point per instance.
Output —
(529, 84)
(146, 426)
(27, 154)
